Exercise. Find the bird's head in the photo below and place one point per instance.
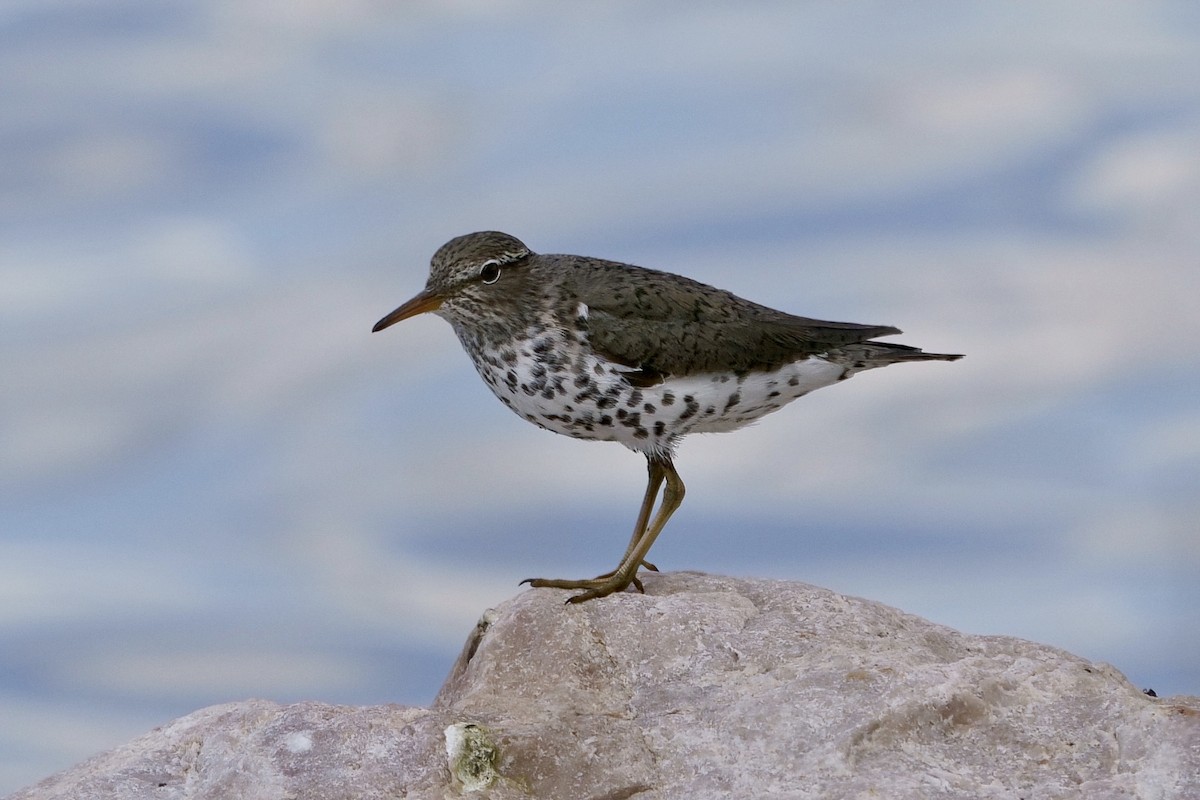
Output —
(466, 278)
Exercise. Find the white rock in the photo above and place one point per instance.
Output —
(704, 687)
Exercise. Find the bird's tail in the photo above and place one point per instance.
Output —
(869, 355)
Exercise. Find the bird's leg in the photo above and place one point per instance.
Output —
(660, 469)
(639, 528)
(626, 572)
(654, 483)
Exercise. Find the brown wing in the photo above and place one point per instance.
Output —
(663, 323)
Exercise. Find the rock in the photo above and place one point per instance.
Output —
(704, 687)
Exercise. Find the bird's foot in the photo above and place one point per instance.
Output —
(600, 586)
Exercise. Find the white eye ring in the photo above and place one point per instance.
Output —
(489, 273)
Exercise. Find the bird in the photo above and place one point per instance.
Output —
(601, 350)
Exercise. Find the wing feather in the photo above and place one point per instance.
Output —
(665, 324)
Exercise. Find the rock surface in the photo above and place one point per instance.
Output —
(704, 687)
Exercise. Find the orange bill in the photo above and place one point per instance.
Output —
(425, 301)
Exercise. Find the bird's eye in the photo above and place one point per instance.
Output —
(489, 272)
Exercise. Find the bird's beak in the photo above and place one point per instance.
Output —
(427, 300)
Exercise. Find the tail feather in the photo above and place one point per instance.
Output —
(869, 355)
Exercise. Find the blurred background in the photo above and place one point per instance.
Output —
(217, 484)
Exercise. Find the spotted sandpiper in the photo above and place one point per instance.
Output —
(601, 350)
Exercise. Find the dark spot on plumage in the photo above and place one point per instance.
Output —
(733, 400)
(538, 371)
(622, 413)
(644, 377)
(598, 369)
(641, 433)
(509, 356)
(690, 400)
(568, 409)
(660, 427)
(649, 408)
(635, 397)
(794, 380)
(631, 420)
(708, 412)
(548, 393)
(527, 389)
(542, 346)
(582, 380)
(606, 421)
(668, 398)
(585, 395)
(606, 402)
(511, 379)
(773, 394)
(688, 412)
